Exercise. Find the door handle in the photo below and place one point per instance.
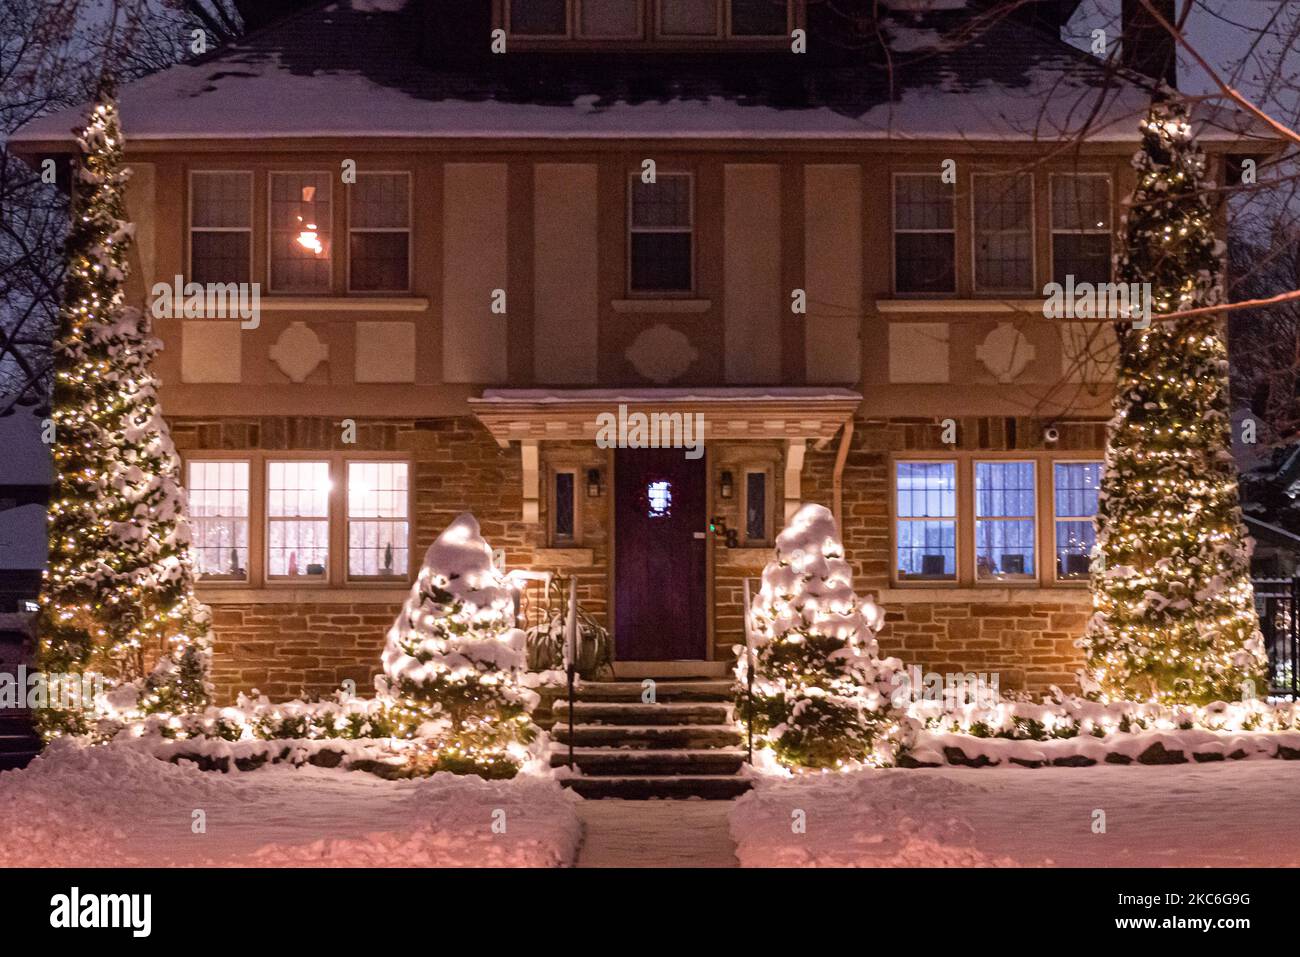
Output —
(701, 534)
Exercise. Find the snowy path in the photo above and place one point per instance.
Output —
(107, 807)
(656, 834)
(1237, 813)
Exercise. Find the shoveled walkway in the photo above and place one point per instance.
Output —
(656, 834)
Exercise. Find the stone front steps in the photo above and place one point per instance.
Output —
(683, 745)
(19, 742)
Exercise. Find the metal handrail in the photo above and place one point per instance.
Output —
(749, 676)
(571, 653)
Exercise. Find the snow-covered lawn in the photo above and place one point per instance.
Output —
(1236, 813)
(115, 807)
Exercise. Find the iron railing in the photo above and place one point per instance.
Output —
(571, 654)
(749, 677)
(1276, 601)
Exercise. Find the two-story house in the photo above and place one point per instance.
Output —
(481, 228)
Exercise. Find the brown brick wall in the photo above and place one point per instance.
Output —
(285, 649)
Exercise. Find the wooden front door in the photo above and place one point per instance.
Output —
(660, 523)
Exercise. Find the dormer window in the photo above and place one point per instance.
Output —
(662, 21)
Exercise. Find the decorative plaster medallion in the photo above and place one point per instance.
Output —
(1005, 352)
(661, 354)
(298, 351)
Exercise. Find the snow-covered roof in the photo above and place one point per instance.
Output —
(362, 68)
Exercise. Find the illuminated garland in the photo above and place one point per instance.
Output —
(1174, 617)
(118, 598)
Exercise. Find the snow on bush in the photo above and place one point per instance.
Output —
(821, 693)
(118, 805)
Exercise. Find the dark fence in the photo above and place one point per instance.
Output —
(1276, 602)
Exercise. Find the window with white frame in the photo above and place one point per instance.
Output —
(661, 227)
(379, 232)
(1004, 231)
(925, 235)
(1005, 509)
(564, 507)
(1074, 498)
(218, 507)
(1081, 227)
(378, 520)
(221, 226)
(300, 232)
(926, 497)
(297, 519)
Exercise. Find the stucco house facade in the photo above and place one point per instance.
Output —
(483, 230)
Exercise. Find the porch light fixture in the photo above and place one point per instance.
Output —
(725, 487)
(593, 483)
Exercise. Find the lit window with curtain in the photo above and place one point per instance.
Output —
(925, 234)
(300, 232)
(1004, 232)
(926, 496)
(1081, 227)
(297, 519)
(1075, 486)
(218, 502)
(378, 520)
(1004, 520)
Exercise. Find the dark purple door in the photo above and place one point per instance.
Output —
(659, 526)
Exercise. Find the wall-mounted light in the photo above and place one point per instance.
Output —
(593, 483)
(725, 487)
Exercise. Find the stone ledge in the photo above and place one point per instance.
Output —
(984, 596)
(302, 596)
(567, 557)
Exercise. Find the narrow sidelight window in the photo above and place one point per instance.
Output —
(218, 502)
(1081, 227)
(300, 232)
(926, 493)
(1074, 505)
(298, 524)
(565, 521)
(924, 234)
(379, 224)
(755, 506)
(378, 520)
(661, 225)
(221, 233)
(1004, 233)
(1004, 520)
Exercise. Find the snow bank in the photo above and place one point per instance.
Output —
(1192, 815)
(118, 805)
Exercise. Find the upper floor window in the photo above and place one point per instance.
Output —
(1074, 505)
(661, 227)
(668, 19)
(221, 226)
(1004, 520)
(300, 213)
(925, 236)
(539, 18)
(1004, 231)
(1081, 226)
(379, 233)
(926, 496)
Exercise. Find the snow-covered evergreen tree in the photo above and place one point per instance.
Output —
(822, 694)
(118, 598)
(453, 661)
(1175, 618)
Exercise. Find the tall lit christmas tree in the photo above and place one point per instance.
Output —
(118, 598)
(1174, 617)
(822, 696)
(454, 660)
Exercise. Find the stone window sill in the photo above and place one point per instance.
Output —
(273, 303)
(661, 305)
(312, 596)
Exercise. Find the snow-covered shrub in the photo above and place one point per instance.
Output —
(822, 695)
